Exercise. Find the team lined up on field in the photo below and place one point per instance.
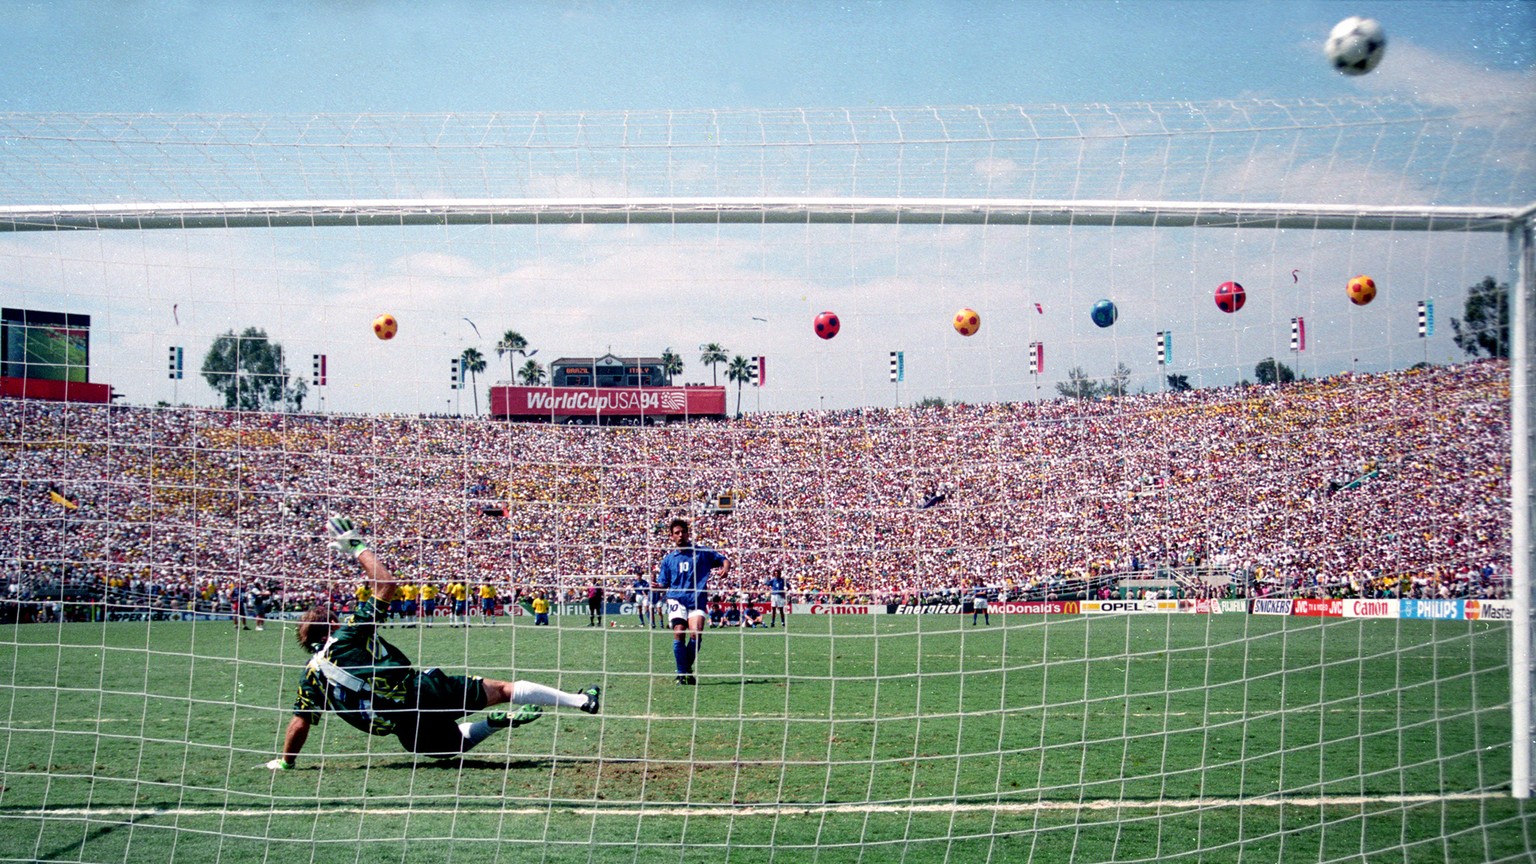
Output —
(458, 603)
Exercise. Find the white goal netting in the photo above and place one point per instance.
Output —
(1251, 577)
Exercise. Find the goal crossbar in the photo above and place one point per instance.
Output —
(876, 211)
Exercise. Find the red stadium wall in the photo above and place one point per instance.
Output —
(530, 403)
(55, 391)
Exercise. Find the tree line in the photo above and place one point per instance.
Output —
(250, 371)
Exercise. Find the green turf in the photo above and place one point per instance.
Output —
(856, 738)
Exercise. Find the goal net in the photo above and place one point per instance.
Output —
(1118, 519)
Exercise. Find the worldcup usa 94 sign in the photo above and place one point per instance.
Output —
(607, 401)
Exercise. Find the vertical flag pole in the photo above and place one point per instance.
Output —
(1426, 324)
(1036, 364)
(759, 372)
(1165, 354)
(175, 370)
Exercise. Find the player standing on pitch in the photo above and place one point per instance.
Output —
(642, 592)
(979, 605)
(374, 687)
(777, 601)
(685, 575)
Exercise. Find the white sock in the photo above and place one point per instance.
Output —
(476, 732)
(529, 693)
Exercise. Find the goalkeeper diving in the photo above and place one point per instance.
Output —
(372, 685)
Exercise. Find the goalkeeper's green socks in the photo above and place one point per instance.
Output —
(494, 722)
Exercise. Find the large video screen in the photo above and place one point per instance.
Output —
(55, 346)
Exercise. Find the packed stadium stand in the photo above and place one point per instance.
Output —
(1381, 485)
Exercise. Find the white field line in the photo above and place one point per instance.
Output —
(767, 810)
(758, 715)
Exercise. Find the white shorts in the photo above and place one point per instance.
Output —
(677, 610)
(776, 601)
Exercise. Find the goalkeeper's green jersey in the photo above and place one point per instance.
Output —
(360, 676)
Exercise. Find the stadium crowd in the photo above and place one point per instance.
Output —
(1393, 484)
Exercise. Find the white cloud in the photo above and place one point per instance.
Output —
(1440, 81)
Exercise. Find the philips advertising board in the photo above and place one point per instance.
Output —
(1433, 610)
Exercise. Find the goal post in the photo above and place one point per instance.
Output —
(1258, 577)
(1522, 663)
(747, 211)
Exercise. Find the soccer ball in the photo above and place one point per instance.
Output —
(1104, 313)
(1230, 297)
(1356, 45)
(1361, 290)
(827, 325)
(967, 322)
(385, 326)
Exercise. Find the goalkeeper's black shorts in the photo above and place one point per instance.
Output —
(442, 701)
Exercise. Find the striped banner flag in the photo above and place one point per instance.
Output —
(898, 366)
(1298, 334)
(1426, 318)
(1164, 347)
(1036, 358)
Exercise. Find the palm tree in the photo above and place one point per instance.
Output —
(532, 374)
(671, 364)
(739, 371)
(714, 354)
(512, 342)
(473, 362)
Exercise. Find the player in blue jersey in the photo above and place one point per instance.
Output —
(642, 596)
(979, 606)
(372, 685)
(777, 600)
(685, 575)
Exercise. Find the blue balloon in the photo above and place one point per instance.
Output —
(1104, 313)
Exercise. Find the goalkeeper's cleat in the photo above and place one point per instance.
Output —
(522, 717)
(593, 702)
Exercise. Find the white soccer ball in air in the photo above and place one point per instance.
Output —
(1356, 45)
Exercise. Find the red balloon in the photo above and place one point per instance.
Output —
(1230, 297)
(827, 325)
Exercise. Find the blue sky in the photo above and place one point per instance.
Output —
(422, 57)
(648, 288)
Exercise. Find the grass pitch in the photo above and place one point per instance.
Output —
(844, 739)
